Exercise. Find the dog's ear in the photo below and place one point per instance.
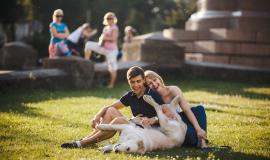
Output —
(141, 148)
(175, 101)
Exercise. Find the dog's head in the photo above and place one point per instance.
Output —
(130, 147)
(170, 109)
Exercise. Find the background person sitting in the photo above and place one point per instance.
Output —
(130, 32)
(79, 37)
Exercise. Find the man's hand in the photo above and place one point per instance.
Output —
(147, 122)
(95, 121)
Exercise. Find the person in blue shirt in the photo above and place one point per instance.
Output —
(59, 32)
(112, 115)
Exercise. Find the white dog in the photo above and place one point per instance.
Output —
(135, 139)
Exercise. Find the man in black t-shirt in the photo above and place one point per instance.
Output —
(112, 115)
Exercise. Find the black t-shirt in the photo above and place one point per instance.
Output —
(138, 105)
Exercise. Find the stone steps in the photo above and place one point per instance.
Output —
(216, 47)
(218, 34)
(229, 48)
(208, 70)
(260, 62)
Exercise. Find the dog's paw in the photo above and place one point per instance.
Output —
(148, 98)
(106, 149)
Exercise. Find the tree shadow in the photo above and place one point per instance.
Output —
(217, 87)
(18, 96)
(212, 153)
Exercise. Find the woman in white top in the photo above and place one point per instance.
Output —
(107, 46)
(194, 117)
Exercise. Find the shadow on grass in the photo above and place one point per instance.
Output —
(18, 97)
(213, 153)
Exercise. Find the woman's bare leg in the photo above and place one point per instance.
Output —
(113, 76)
(87, 54)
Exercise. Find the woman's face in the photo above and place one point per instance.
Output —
(153, 82)
(59, 18)
(110, 20)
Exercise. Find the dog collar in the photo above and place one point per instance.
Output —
(139, 126)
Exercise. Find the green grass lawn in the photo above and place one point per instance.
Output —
(34, 123)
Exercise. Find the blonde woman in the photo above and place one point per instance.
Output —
(195, 117)
(107, 46)
(59, 32)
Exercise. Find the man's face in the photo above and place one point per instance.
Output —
(137, 85)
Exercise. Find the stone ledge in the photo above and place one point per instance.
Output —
(225, 72)
(216, 47)
(254, 61)
(39, 78)
(79, 70)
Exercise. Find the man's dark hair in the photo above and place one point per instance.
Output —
(135, 71)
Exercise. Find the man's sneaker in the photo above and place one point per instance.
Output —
(70, 145)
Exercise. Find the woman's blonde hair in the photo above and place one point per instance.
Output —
(109, 14)
(152, 74)
(57, 12)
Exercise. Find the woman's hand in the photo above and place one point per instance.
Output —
(201, 134)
